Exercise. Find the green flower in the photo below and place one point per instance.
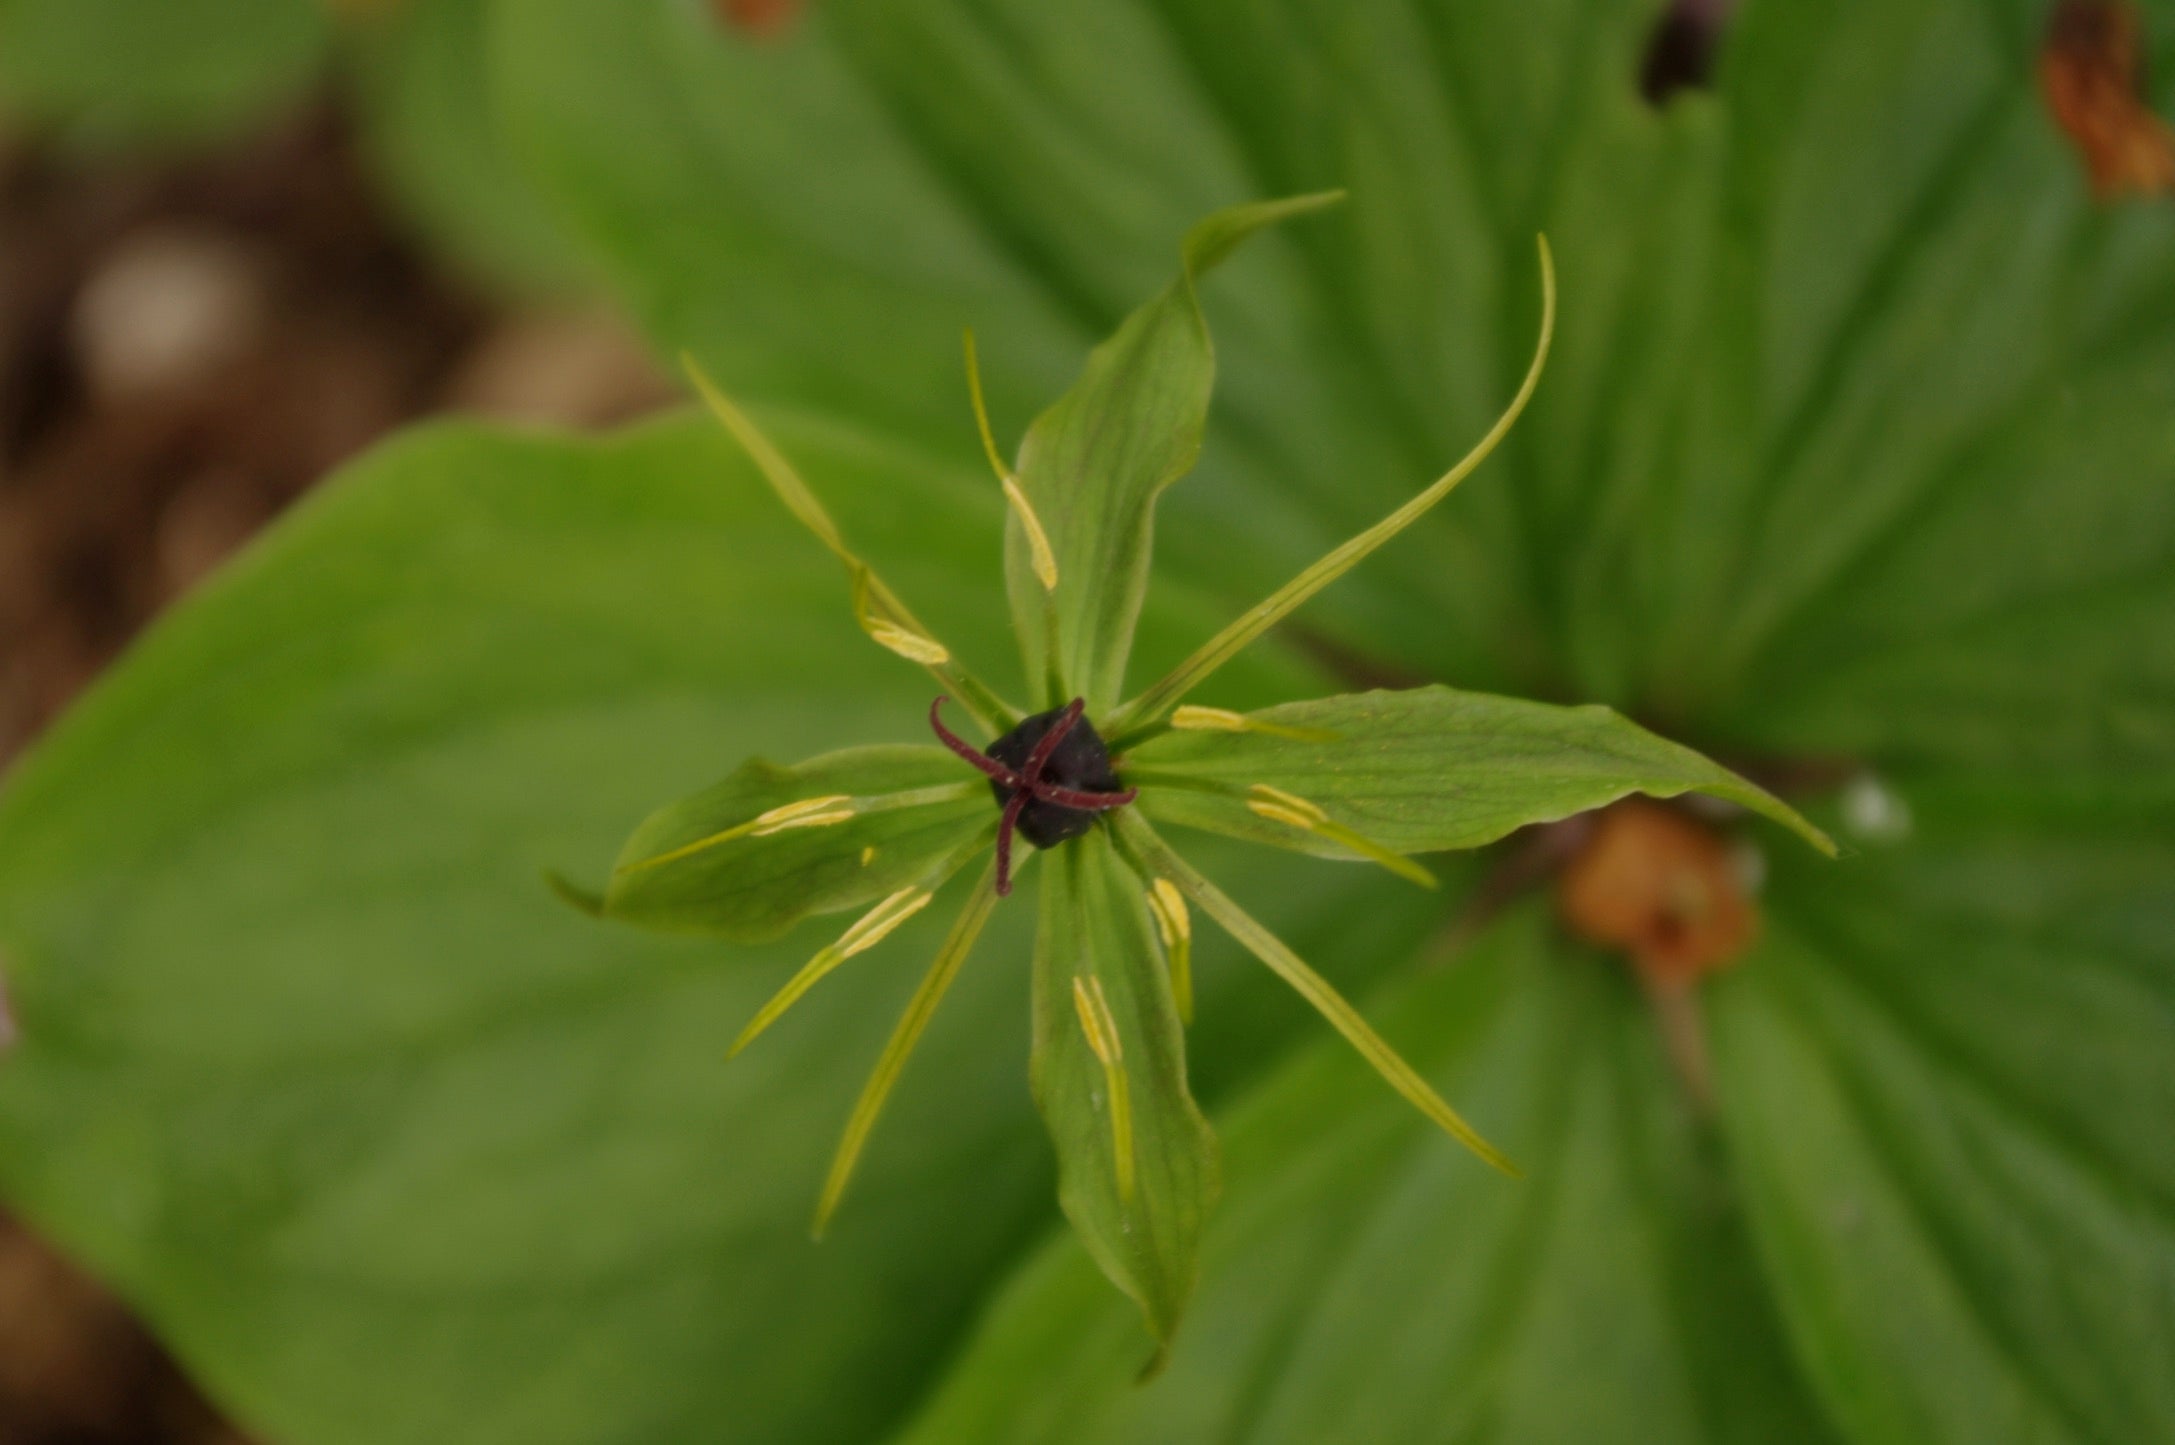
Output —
(1094, 779)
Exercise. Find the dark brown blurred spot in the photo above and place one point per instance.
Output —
(2092, 73)
(1680, 50)
(1662, 888)
(764, 19)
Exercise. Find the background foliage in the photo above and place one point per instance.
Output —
(1856, 454)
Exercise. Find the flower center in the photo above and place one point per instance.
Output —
(1051, 776)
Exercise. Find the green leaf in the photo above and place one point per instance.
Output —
(109, 72)
(751, 857)
(1365, 1283)
(1136, 1162)
(425, 110)
(319, 1075)
(309, 1054)
(1423, 769)
(1957, 539)
(1945, 1075)
(1093, 465)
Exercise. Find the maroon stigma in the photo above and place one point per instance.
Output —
(1052, 776)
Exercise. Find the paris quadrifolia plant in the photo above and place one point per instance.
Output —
(1097, 780)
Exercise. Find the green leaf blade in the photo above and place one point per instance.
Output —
(305, 1040)
(1146, 1237)
(1425, 769)
(1363, 1283)
(1945, 1079)
(1092, 466)
(710, 864)
(157, 72)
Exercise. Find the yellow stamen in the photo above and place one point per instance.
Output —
(870, 930)
(885, 633)
(1279, 806)
(1284, 807)
(1175, 923)
(1038, 541)
(1096, 1021)
(1192, 718)
(879, 922)
(807, 813)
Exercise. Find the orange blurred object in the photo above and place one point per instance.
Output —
(761, 18)
(1662, 888)
(2092, 73)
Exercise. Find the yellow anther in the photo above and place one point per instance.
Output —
(1175, 924)
(1283, 807)
(872, 928)
(1101, 1028)
(1193, 718)
(1038, 541)
(910, 645)
(907, 643)
(807, 813)
(877, 924)
(1190, 718)
(1279, 806)
(1093, 1006)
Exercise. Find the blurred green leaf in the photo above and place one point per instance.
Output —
(1853, 447)
(1945, 1076)
(317, 1071)
(1424, 769)
(713, 864)
(1365, 1281)
(1852, 450)
(424, 102)
(107, 72)
(1140, 1194)
(1094, 464)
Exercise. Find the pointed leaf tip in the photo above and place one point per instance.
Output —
(1214, 238)
(573, 895)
